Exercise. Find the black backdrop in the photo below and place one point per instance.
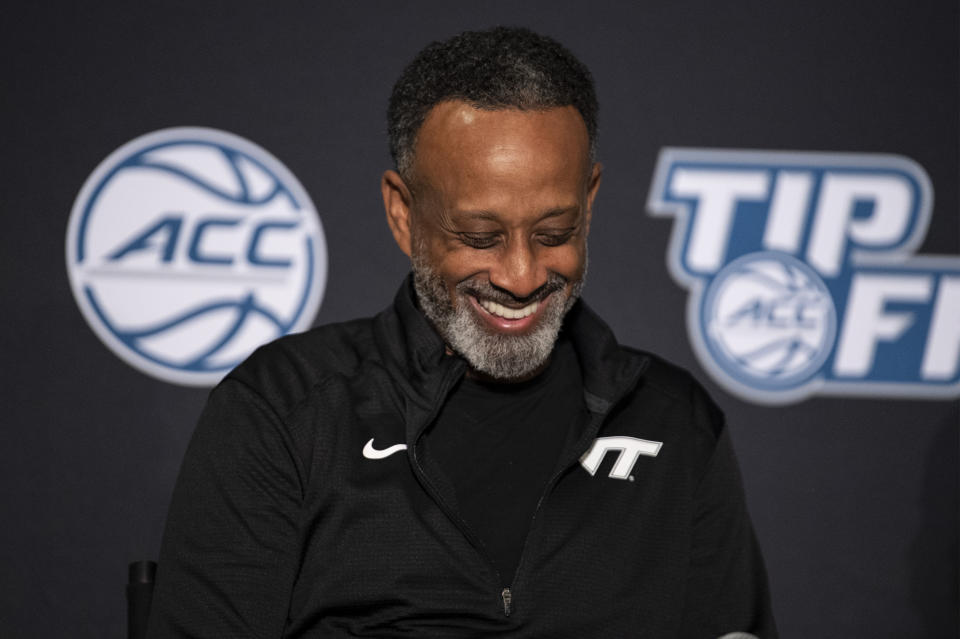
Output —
(855, 500)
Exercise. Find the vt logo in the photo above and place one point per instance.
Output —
(628, 450)
(802, 273)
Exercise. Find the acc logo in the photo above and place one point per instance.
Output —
(189, 247)
(802, 273)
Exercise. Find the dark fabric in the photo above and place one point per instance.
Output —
(499, 444)
(280, 527)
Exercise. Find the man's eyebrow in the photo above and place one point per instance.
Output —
(482, 214)
(476, 215)
(563, 210)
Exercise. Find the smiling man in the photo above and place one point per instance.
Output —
(482, 458)
(497, 231)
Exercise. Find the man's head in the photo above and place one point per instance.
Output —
(493, 135)
(501, 68)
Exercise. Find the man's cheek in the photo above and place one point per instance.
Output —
(567, 260)
(459, 299)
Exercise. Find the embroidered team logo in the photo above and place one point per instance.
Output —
(187, 248)
(628, 450)
(802, 273)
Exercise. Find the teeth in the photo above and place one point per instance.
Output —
(509, 313)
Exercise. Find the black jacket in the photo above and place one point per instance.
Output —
(281, 527)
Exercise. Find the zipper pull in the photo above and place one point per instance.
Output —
(507, 597)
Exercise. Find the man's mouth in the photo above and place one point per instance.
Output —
(509, 313)
(505, 319)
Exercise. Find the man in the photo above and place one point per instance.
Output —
(440, 470)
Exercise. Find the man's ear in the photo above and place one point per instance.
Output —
(593, 185)
(397, 202)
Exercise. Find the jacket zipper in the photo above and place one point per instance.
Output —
(507, 597)
(508, 600)
(506, 594)
(593, 426)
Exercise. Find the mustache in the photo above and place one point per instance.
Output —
(484, 289)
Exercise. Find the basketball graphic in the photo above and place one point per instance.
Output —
(189, 247)
(769, 320)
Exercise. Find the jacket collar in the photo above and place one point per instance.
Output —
(418, 362)
(417, 359)
(609, 370)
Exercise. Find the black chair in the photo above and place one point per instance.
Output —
(139, 594)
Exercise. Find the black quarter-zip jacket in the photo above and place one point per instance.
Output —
(286, 521)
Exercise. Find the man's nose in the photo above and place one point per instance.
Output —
(518, 271)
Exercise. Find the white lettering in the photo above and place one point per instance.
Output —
(630, 450)
(834, 222)
(791, 196)
(717, 193)
(942, 355)
(867, 322)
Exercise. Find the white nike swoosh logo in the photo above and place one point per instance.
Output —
(372, 453)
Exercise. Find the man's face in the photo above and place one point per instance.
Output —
(496, 223)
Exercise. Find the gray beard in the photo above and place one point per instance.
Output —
(502, 357)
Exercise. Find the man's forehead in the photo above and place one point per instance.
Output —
(461, 143)
(455, 122)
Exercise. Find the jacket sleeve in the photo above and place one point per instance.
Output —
(228, 558)
(727, 583)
